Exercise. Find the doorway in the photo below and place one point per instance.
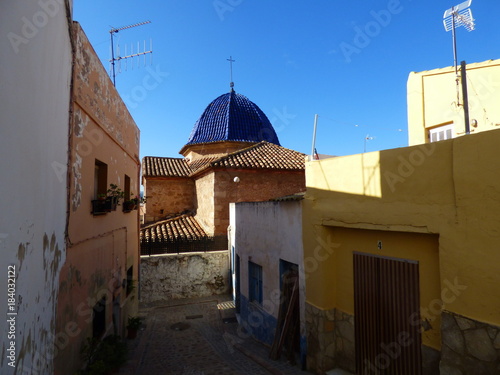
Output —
(386, 315)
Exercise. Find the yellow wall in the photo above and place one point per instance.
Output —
(433, 100)
(449, 189)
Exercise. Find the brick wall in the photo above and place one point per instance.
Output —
(169, 195)
(205, 202)
(253, 186)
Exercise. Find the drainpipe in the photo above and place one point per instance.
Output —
(465, 96)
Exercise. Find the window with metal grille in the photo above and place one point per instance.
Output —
(254, 282)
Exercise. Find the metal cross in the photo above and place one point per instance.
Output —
(231, 70)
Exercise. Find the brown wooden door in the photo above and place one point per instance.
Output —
(386, 316)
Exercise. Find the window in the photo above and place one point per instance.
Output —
(99, 318)
(254, 282)
(441, 133)
(100, 179)
(126, 189)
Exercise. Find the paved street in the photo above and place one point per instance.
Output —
(198, 337)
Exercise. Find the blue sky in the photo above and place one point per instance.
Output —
(346, 61)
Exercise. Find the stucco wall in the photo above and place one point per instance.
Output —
(34, 117)
(432, 100)
(448, 189)
(101, 247)
(169, 195)
(175, 276)
(265, 233)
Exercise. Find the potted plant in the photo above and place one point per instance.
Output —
(99, 205)
(134, 323)
(114, 194)
(129, 205)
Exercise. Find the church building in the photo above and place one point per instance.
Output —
(232, 155)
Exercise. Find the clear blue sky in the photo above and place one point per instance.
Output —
(346, 61)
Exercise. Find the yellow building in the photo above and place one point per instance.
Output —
(401, 246)
(435, 102)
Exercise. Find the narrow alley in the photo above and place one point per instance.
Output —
(198, 336)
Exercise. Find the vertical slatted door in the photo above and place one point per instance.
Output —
(386, 304)
(366, 312)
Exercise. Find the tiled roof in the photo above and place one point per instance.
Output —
(289, 198)
(183, 227)
(153, 166)
(263, 155)
(232, 117)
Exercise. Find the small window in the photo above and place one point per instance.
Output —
(126, 189)
(100, 179)
(441, 133)
(99, 318)
(254, 282)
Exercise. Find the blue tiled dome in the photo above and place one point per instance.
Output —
(232, 117)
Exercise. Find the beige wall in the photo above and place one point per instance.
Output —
(433, 100)
(102, 247)
(35, 76)
(173, 195)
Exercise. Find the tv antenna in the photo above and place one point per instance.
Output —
(138, 52)
(459, 15)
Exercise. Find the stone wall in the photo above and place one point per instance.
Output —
(469, 347)
(167, 196)
(330, 340)
(188, 275)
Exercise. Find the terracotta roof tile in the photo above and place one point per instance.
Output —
(183, 227)
(262, 155)
(153, 166)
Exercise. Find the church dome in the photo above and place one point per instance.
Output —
(232, 117)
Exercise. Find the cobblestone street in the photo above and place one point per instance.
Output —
(198, 337)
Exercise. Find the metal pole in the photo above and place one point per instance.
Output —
(314, 136)
(454, 43)
(465, 96)
(112, 56)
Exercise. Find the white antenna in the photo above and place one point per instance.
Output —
(132, 55)
(457, 16)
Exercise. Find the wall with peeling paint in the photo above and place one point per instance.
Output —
(34, 117)
(187, 275)
(101, 248)
(268, 234)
